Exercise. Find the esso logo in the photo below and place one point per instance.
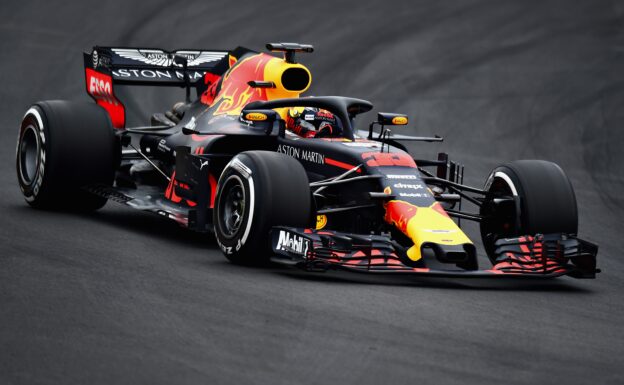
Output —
(100, 86)
(101, 89)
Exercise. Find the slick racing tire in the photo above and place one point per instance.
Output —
(256, 191)
(543, 202)
(63, 146)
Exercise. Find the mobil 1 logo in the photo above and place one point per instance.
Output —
(291, 243)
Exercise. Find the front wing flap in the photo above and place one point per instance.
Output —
(542, 256)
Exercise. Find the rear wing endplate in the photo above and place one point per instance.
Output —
(107, 66)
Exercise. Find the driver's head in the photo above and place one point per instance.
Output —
(312, 122)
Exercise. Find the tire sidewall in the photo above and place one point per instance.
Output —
(77, 148)
(34, 119)
(242, 168)
(237, 168)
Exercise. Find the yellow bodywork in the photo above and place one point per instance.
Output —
(236, 93)
(273, 72)
(424, 225)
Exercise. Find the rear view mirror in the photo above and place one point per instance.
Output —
(390, 119)
(387, 119)
(261, 116)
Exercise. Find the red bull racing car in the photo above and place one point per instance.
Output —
(285, 178)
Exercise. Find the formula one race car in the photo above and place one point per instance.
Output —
(228, 162)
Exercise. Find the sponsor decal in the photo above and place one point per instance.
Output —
(36, 185)
(226, 249)
(409, 186)
(399, 176)
(240, 167)
(202, 164)
(95, 59)
(160, 58)
(313, 157)
(98, 60)
(321, 221)
(148, 74)
(256, 116)
(298, 153)
(190, 125)
(292, 243)
(162, 146)
(308, 117)
(399, 120)
(100, 87)
(413, 195)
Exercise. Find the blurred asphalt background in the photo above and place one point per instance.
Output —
(121, 297)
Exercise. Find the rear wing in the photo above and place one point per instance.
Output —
(107, 66)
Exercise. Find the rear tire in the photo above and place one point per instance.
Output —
(544, 202)
(256, 191)
(62, 147)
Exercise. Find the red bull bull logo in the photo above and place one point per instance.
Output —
(398, 213)
(235, 92)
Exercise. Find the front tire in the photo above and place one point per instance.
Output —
(62, 147)
(543, 202)
(256, 191)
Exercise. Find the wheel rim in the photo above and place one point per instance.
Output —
(29, 155)
(232, 210)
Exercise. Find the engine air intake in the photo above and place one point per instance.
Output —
(295, 79)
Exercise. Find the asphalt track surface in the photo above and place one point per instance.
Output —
(121, 297)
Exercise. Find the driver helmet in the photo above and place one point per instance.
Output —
(311, 122)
